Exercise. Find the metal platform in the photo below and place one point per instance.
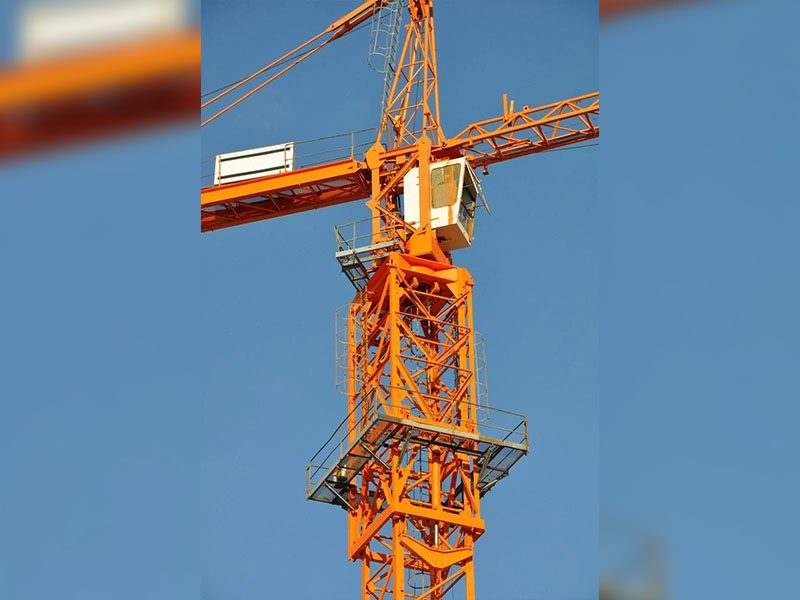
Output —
(501, 441)
(354, 262)
(356, 252)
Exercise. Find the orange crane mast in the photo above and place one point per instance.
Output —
(417, 449)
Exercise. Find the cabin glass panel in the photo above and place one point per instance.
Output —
(444, 185)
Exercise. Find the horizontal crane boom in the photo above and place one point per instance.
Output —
(284, 194)
(511, 135)
(530, 130)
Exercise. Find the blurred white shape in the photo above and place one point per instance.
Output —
(49, 30)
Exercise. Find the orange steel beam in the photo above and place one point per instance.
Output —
(414, 458)
(253, 200)
(412, 110)
(529, 130)
(511, 135)
(64, 100)
(416, 507)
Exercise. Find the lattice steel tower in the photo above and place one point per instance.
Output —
(411, 461)
(418, 447)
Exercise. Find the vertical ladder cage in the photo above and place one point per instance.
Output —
(384, 42)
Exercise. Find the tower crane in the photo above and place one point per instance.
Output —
(417, 449)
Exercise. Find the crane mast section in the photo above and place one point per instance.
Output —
(511, 135)
(417, 450)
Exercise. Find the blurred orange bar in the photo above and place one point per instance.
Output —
(613, 8)
(69, 99)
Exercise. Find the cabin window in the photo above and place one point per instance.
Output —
(444, 185)
(469, 198)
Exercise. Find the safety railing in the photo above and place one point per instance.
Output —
(481, 379)
(337, 447)
(316, 151)
(357, 246)
(385, 42)
(502, 437)
(347, 382)
(360, 234)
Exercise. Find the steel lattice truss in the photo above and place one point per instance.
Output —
(511, 135)
(413, 456)
(417, 502)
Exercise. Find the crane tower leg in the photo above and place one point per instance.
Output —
(415, 502)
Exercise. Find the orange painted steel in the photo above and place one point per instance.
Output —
(530, 130)
(412, 459)
(511, 135)
(412, 110)
(416, 504)
(68, 99)
(283, 194)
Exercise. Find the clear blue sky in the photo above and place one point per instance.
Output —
(101, 386)
(699, 292)
(161, 392)
(274, 287)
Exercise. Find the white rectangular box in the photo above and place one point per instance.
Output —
(256, 162)
(455, 190)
